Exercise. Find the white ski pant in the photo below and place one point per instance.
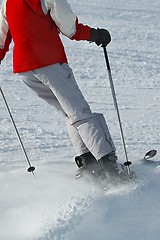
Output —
(88, 131)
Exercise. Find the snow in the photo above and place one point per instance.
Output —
(52, 205)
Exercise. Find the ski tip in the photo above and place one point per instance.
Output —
(150, 154)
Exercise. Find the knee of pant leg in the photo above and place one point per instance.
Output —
(83, 118)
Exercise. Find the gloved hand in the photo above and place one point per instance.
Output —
(100, 37)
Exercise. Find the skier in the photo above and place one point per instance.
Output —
(39, 58)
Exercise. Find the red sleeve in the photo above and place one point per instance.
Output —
(6, 46)
(83, 32)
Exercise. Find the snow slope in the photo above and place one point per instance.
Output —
(52, 205)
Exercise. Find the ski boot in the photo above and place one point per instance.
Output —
(88, 166)
(115, 174)
(109, 164)
(86, 163)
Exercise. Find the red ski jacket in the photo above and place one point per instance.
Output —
(35, 26)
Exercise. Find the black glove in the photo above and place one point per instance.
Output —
(100, 37)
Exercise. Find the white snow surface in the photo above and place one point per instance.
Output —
(53, 205)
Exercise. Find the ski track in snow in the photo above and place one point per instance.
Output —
(54, 206)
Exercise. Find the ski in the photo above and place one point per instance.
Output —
(104, 181)
(147, 159)
(150, 154)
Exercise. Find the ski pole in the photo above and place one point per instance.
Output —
(31, 168)
(127, 163)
